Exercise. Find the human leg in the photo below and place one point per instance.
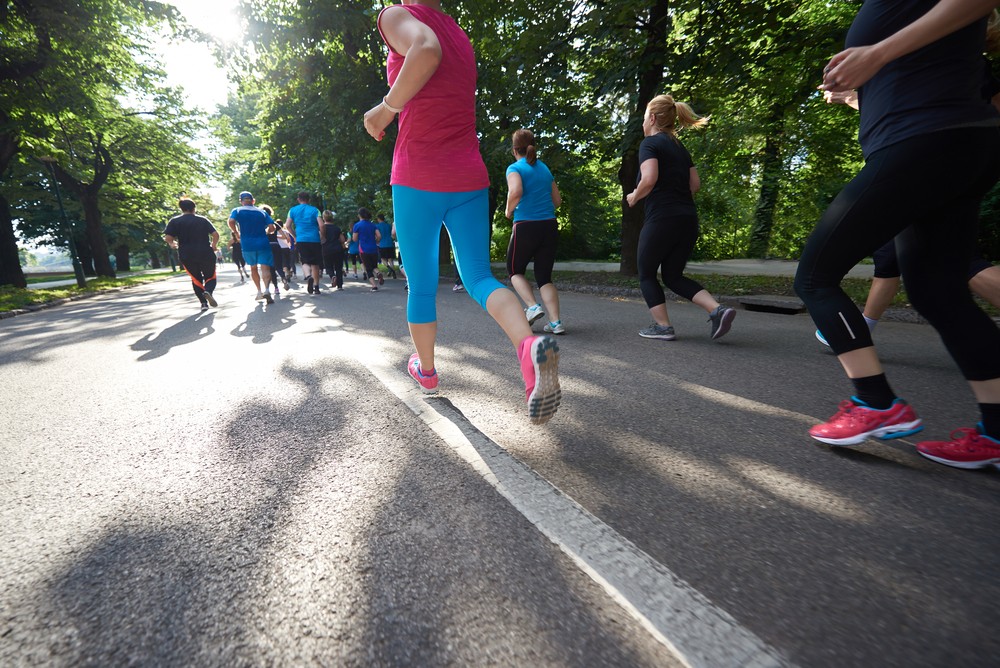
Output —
(986, 284)
(417, 229)
(545, 258)
(467, 223)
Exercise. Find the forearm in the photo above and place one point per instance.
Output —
(644, 188)
(512, 202)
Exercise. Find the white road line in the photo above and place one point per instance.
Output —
(697, 632)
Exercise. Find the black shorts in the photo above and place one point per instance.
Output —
(311, 252)
(354, 258)
(533, 241)
(388, 253)
(370, 261)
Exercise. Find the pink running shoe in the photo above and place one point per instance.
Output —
(539, 357)
(968, 449)
(855, 421)
(427, 384)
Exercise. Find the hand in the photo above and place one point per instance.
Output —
(630, 198)
(850, 98)
(851, 68)
(377, 119)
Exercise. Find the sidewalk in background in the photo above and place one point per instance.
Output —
(723, 267)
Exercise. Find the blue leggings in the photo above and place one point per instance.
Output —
(419, 215)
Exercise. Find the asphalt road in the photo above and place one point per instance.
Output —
(263, 486)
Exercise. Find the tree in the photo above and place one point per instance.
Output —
(64, 72)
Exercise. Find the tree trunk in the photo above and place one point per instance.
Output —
(653, 60)
(122, 259)
(154, 260)
(83, 252)
(10, 263)
(95, 234)
(632, 217)
(770, 186)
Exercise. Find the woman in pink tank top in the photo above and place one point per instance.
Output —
(438, 176)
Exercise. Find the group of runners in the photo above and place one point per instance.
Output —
(918, 69)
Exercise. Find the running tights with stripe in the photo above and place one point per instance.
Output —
(665, 245)
(419, 215)
(533, 241)
(202, 273)
(927, 190)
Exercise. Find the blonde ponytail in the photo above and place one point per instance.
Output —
(669, 114)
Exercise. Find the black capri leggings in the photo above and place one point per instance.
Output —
(533, 240)
(666, 244)
(927, 190)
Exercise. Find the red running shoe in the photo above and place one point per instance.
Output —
(427, 384)
(539, 357)
(855, 421)
(968, 449)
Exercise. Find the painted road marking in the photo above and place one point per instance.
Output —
(697, 632)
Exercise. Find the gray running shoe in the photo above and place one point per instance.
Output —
(267, 298)
(657, 331)
(211, 300)
(721, 319)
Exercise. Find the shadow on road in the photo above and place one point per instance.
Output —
(186, 331)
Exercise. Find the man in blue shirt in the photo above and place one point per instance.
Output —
(368, 236)
(306, 225)
(250, 226)
(386, 246)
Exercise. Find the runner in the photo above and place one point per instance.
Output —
(915, 64)
(196, 241)
(250, 227)
(532, 198)
(285, 241)
(368, 236)
(669, 178)
(386, 246)
(438, 176)
(236, 250)
(305, 224)
(333, 251)
(277, 271)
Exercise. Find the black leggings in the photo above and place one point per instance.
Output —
(925, 191)
(334, 263)
(533, 240)
(201, 269)
(666, 244)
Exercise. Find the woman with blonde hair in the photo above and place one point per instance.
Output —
(532, 198)
(667, 181)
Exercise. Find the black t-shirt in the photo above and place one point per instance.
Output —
(332, 232)
(672, 193)
(934, 88)
(193, 234)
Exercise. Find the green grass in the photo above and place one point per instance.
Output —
(18, 298)
(32, 278)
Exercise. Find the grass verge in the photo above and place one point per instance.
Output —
(12, 298)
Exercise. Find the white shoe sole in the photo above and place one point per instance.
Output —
(546, 395)
(883, 433)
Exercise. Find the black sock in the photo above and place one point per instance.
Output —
(874, 391)
(991, 419)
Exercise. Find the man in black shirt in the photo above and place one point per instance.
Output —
(190, 235)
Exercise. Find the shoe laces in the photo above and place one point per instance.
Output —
(966, 437)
